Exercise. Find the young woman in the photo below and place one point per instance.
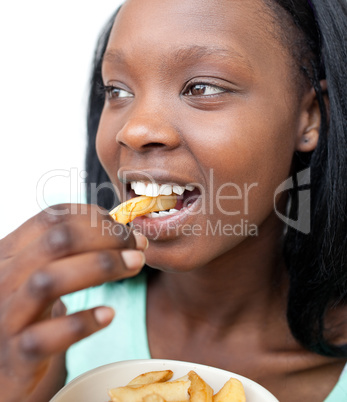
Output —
(224, 101)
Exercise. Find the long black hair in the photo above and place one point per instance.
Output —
(96, 173)
(316, 262)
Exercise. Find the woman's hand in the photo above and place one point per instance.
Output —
(49, 256)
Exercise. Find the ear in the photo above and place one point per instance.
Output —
(308, 133)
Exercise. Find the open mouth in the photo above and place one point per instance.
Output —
(186, 195)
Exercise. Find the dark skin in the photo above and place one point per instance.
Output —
(44, 259)
(191, 96)
(218, 300)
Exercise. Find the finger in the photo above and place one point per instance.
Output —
(56, 335)
(66, 276)
(66, 214)
(39, 223)
(58, 309)
(66, 239)
(142, 242)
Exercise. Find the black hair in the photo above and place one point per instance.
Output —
(96, 173)
(316, 262)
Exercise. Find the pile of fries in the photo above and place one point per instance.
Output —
(155, 386)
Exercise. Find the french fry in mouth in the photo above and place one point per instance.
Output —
(142, 205)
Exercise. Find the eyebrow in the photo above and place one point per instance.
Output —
(198, 52)
(183, 54)
(114, 56)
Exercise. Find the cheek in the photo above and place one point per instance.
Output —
(252, 150)
(106, 144)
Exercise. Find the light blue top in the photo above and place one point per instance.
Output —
(126, 337)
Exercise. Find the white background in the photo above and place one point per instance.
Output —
(46, 53)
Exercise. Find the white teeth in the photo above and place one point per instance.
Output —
(189, 187)
(140, 188)
(178, 190)
(154, 215)
(165, 189)
(164, 213)
(152, 190)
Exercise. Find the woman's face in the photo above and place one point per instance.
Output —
(204, 95)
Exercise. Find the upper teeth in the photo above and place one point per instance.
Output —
(154, 189)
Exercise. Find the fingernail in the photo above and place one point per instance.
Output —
(133, 259)
(104, 315)
(141, 241)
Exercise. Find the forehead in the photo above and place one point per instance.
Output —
(205, 15)
(172, 20)
(239, 29)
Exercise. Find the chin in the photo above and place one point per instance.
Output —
(177, 263)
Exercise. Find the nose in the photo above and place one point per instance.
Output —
(145, 132)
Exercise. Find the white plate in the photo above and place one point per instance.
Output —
(93, 386)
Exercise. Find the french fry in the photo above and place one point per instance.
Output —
(153, 398)
(151, 377)
(142, 205)
(199, 390)
(232, 391)
(154, 386)
(171, 391)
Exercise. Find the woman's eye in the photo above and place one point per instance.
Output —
(116, 93)
(203, 90)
